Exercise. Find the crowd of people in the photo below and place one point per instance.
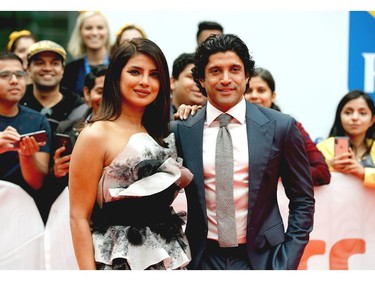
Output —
(146, 136)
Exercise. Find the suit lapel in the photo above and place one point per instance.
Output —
(260, 133)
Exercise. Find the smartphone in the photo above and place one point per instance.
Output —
(39, 136)
(341, 145)
(64, 140)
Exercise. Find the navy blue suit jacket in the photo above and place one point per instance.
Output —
(276, 150)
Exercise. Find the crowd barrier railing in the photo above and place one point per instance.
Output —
(343, 237)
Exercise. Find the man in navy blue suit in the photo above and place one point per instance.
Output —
(267, 146)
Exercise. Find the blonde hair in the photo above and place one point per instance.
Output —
(76, 46)
(130, 26)
(127, 26)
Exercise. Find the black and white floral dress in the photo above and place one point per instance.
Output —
(133, 224)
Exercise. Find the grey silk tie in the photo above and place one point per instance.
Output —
(226, 220)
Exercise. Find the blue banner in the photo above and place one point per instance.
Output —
(361, 74)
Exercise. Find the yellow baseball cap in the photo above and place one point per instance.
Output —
(45, 46)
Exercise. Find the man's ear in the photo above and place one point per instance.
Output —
(173, 80)
(201, 82)
(247, 76)
(86, 95)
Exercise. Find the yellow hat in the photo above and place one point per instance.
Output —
(15, 35)
(45, 46)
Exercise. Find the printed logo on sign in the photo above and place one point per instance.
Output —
(362, 52)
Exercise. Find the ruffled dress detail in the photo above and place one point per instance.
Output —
(133, 224)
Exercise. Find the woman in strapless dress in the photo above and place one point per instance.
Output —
(124, 171)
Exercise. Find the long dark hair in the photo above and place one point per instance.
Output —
(156, 115)
(337, 128)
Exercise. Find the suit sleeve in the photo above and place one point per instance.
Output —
(296, 178)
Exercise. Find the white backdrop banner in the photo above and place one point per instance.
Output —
(344, 227)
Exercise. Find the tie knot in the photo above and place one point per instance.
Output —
(224, 119)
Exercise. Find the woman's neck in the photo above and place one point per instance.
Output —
(359, 145)
(96, 57)
(132, 116)
(358, 141)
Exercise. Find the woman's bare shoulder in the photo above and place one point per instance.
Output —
(97, 130)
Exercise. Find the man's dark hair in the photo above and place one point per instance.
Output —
(217, 44)
(208, 25)
(10, 56)
(181, 62)
(96, 71)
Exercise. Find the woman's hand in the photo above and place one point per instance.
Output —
(184, 110)
(347, 163)
(186, 177)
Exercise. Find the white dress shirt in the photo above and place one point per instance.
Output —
(237, 129)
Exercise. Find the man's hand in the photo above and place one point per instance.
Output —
(7, 138)
(61, 164)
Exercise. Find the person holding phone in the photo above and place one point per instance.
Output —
(26, 163)
(65, 137)
(355, 116)
(46, 66)
(92, 92)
